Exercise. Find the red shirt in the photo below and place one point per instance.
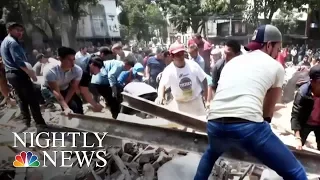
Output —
(190, 42)
(314, 118)
(282, 57)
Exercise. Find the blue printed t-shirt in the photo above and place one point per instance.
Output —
(156, 66)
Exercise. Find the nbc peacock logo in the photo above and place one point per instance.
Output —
(26, 159)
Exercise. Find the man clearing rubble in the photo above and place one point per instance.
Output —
(63, 81)
(185, 78)
(249, 87)
(305, 116)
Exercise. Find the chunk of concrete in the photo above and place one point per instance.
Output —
(269, 174)
(126, 157)
(148, 172)
(182, 168)
(8, 115)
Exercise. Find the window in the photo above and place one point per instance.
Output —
(236, 28)
(97, 22)
(243, 28)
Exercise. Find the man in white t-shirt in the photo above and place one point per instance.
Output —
(42, 61)
(249, 87)
(185, 78)
(83, 52)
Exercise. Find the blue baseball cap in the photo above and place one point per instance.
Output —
(263, 34)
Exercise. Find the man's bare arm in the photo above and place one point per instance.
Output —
(73, 88)
(205, 89)
(56, 92)
(270, 100)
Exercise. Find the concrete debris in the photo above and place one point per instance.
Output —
(8, 116)
(270, 175)
(126, 160)
(182, 168)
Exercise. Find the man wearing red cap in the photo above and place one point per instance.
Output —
(249, 88)
(186, 79)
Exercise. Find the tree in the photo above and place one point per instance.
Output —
(40, 16)
(69, 13)
(141, 19)
(286, 22)
(191, 13)
(156, 21)
(268, 8)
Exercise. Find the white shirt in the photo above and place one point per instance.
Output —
(293, 52)
(80, 55)
(243, 84)
(185, 83)
(139, 88)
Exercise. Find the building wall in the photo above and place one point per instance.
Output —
(101, 21)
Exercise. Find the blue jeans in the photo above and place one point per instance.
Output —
(256, 138)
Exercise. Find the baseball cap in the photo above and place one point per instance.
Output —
(314, 72)
(175, 48)
(263, 34)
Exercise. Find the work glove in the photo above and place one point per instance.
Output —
(114, 91)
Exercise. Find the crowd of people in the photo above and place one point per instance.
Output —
(236, 87)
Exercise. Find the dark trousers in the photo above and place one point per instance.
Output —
(25, 92)
(153, 82)
(94, 92)
(75, 103)
(113, 102)
(39, 96)
(305, 131)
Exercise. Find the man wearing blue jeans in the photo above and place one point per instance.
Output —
(248, 89)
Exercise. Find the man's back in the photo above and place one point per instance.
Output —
(243, 84)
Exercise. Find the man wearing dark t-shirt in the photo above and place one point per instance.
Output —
(89, 65)
(155, 65)
(231, 50)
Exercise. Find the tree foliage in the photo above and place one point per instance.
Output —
(142, 19)
(286, 22)
(191, 13)
(267, 8)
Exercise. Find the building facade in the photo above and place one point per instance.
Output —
(101, 22)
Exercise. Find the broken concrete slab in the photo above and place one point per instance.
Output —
(182, 168)
(268, 174)
(9, 114)
(148, 172)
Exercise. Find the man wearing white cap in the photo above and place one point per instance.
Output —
(215, 56)
(249, 88)
(186, 79)
(178, 38)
